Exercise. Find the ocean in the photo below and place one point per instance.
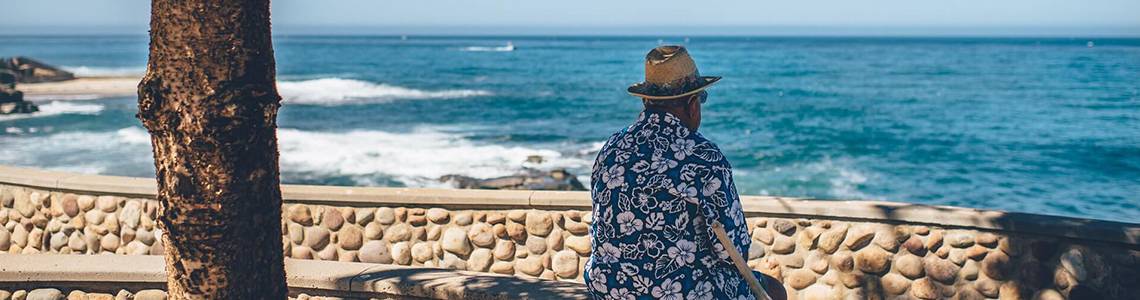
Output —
(1038, 125)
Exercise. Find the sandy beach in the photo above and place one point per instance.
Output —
(81, 88)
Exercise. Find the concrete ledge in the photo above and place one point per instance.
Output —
(1127, 234)
(344, 279)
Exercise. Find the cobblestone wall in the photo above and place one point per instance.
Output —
(816, 258)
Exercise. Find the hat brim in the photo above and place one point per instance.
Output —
(641, 89)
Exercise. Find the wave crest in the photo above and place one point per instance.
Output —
(336, 91)
(58, 108)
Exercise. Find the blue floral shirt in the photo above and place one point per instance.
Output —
(657, 188)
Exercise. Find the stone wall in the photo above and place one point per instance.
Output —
(817, 256)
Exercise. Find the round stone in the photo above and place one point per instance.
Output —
(365, 215)
(57, 241)
(401, 253)
(536, 245)
(45, 294)
(996, 265)
(576, 228)
(872, 260)
(481, 235)
(924, 288)
(130, 214)
(555, 240)
(70, 204)
(762, 235)
(109, 242)
(504, 250)
(398, 232)
(895, 284)
(988, 288)
(150, 295)
(75, 242)
(843, 261)
(987, 239)
(350, 237)
(934, 240)
(296, 233)
(455, 241)
(1074, 262)
(385, 215)
(375, 252)
(914, 245)
(565, 264)
(316, 237)
(941, 270)
(496, 218)
(858, 237)
(328, 253)
(107, 203)
(434, 232)
(332, 219)
(438, 215)
(518, 216)
(480, 260)
(5, 239)
(970, 270)
(85, 202)
(463, 219)
(909, 265)
(417, 220)
(800, 278)
(24, 204)
(422, 252)
(783, 245)
(581, 244)
(539, 224)
(516, 232)
(784, 227)
(452, 261)
(829, 240)
(754, 252)
(532, 265)
(145, 236)
(20, 236)
(372, 231)
(977, 252)
(960, 240)
(300, 214)
(503, 267)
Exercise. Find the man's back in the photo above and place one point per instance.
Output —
(657, 187)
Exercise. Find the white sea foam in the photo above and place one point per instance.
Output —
(335, 91)
(126, 149)
(487, 49)
(417, 158)
(58, 108)
(85, 71)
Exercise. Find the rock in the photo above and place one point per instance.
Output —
(1072, 261)
(532, 265)
(1009, 290)
(5, 239)
(70, 205)
(934, 240)
(299, 214)
(496, 218)
(969, 270)
(94, 217)
(536, 245)
(976, 252)
(130, 214)
(555, 240)
(817, 292)
(438, 215)
(27, 70)
(372, 231)
(73, 295)
(872, 260)
(350, 237)
(516, 232)
(588, 218)
(375, 252)
(754, 252)
(480, 260)
(790, 261)
(941, 270)
(463, 219)
(843, 261)
(925, 289)
(316, 237)
(565, 264)
(398, 232)
(889, 239)
(86, 202)
(401, 253)
(909, 265)
(576, 228)
(830, 240)
(45, 294)
(960, 240)
(504, 250)
(385, 215)
(455, 240)
(784, 227)
(417, 220)
(527, 179)
(914, 245)
(957, 256)
(150, 295)
(332, 219)
(581, 244)
(986, 287)
(539, 223)
(422, 252)
(858, 237)
(365, 215)
(783, 245)
(109, 242)
(296, 233)
(23, 204)
(1048, 294)
(57, 241)
(800, 278)
(996, 265)
(987, 239)
(762, 235)
(966, 293)
(503, 267)
(895, 284)
(434, 233)
(481, 235)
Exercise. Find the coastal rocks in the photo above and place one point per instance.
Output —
(27, 70)
(527, 179)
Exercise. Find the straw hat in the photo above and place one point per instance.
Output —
(670, 73)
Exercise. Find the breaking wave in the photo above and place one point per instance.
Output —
(337, 91)
(85, 71)
(58, 108)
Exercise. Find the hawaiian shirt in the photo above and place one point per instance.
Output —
(657, 188)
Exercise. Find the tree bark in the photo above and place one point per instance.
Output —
(209, 101)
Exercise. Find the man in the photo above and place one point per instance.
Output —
(658, 187)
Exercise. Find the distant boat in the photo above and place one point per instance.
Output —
(509, 47)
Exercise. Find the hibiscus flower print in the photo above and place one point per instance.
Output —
(609, 253)
(621, 293)
(628, 223)
(614, 177)
(668, 290)
(682, 148)
(684, 253)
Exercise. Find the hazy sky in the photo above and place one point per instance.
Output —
(597, 16)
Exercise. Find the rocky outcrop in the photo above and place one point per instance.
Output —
(528, 179)
(28, 70)
(11, 100)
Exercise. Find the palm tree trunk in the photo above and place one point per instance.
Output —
(209, 101)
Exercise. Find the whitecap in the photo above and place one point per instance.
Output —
(85, 71)
(57, 108)
(487, 49)
(335, 91)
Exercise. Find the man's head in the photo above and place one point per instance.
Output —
(673, 84)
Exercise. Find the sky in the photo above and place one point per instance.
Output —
(818, 17)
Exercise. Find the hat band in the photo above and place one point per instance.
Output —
(676, 87)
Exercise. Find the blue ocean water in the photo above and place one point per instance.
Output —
(1039, 125)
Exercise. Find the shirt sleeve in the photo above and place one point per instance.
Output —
(718, 202)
